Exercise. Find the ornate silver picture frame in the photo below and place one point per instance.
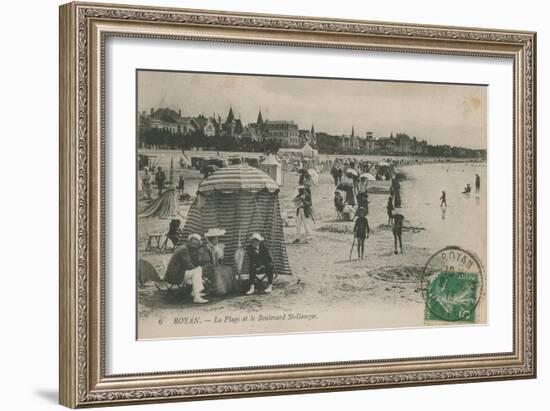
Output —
(85, 30)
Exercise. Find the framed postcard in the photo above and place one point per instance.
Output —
(260, 204)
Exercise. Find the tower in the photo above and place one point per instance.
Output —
(260, 119)
(230, 115)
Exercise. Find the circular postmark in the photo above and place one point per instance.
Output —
(452, 284)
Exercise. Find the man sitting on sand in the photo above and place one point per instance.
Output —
(260, 262)
(185, 266)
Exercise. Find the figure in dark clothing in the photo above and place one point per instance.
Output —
(397, 230)
(443, 199)
(340, 174)
(363, 201)
(338, 204)
(350, 198)
(389, 209)
(478, 183)
(260, 262)
(181, 185)
(175, 233)
(160, 178)
(361, 231)
(334, 174)
(305, 181)
(395, 191)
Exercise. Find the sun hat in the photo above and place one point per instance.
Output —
(195, 236)
(256, 236)
(215, 232)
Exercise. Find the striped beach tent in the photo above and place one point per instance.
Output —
(241, 200)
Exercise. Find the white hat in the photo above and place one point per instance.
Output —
(195, 236)
(215, 232)
(256, 236)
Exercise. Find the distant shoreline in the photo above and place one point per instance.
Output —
(322, 157)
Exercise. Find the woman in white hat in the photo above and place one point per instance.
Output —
(214, 246)
(303, 212)
(260, 262)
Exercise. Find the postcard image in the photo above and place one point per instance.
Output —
(283, 204)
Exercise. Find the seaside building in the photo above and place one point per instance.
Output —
(350, 142)
(284, 131)
(232, 127)
(252, 132)
(172, 121)
(167, 119)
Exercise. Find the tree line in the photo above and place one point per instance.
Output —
(154, 137)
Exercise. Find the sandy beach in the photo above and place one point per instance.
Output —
(327, 290)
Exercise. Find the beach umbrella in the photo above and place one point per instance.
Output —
(383, 164)
(368, 176)
(314, 176)
(351, 172)
(238, 177)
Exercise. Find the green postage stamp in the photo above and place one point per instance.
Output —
(452, 286)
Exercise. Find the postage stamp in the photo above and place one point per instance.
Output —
(453, 284)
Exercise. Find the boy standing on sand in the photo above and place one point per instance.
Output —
(443, 199)
(397, 230)
(361, 231)
(389, 209)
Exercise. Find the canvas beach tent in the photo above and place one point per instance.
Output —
(273, 168)
(240, 200)
(165, 206)
(309, 151)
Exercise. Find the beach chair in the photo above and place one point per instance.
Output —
(153, 242)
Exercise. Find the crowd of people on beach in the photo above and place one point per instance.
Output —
(194, 259)
(351, 201)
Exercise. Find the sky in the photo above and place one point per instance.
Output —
(439, 113)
